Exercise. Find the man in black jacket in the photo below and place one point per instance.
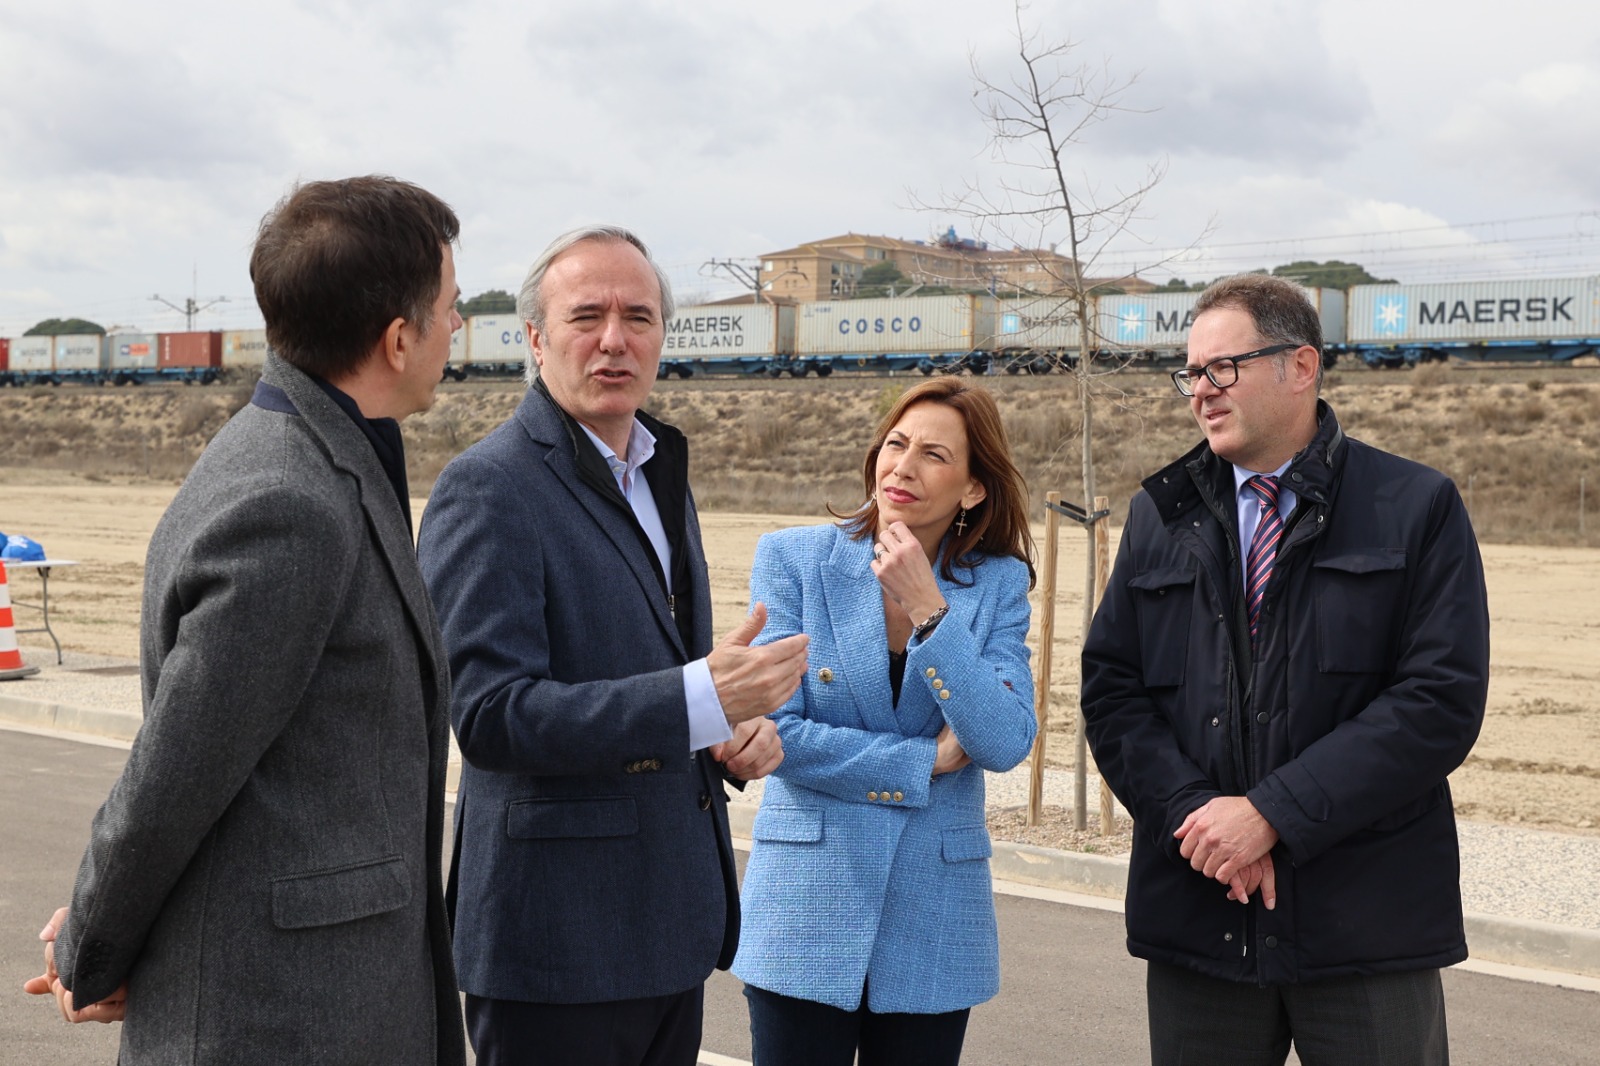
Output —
(1291, 657)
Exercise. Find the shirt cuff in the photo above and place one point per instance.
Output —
(708, 724)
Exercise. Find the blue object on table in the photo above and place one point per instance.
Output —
(23, 549)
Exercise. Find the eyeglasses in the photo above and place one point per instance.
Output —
(1221, 372)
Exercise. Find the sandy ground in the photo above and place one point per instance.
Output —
(1537, 762)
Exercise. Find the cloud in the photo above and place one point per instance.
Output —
(1534, 131)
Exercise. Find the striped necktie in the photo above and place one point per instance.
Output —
(1263, 547)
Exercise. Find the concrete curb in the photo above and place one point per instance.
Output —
(1490, 938)
(43, 714)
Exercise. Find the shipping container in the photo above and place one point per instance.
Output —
(131, 351)
(5, 354)
(80, 353)
(33, 355)
(1476, 312)
(1160, 321)
(726, 331)
(494, 340)
(244, 349)
(1036, 324)
(190, 350)
(895, 326)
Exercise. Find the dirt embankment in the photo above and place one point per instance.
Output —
(89, 471)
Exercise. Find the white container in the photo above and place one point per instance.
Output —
(726, 331)
(33, 354)
(80, 351)
(131, 351)
(1533, 310)
(895, 325)
(1036, 324)
(1158, 321)
(494, 339)
(244, 349)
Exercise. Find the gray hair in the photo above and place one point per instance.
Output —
(530, 299)
(1279, 309)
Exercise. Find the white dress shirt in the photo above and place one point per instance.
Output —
(708, 724)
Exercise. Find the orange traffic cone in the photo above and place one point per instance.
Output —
(11, 666)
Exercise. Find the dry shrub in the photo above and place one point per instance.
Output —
(198, 416)
(1429, 376)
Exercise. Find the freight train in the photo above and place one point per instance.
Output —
(1550, 320)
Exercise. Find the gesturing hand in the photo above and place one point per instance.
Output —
(751, 682)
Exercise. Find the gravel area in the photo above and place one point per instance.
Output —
(1505, 871)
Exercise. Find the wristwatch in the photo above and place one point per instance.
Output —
(927, 625)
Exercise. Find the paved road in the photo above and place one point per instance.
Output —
(1071, 995)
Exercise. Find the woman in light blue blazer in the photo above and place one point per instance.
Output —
(868, 919)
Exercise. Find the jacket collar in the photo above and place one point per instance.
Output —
(855, 608)
(667, 474)
(1201, 477)
(348, 449)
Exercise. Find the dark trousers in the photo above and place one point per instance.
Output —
(1391, 1019)
(657, 1031)
(785, 1031)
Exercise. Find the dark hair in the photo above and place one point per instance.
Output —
(335, 262)
(998, 525)
(1279, 309)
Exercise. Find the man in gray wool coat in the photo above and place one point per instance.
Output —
(263, 883)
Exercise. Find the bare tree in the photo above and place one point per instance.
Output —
(1039, 120)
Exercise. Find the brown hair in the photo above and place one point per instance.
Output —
(336, 262)
(998, 525)
(1280, 310)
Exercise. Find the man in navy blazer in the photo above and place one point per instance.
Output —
(593, 886)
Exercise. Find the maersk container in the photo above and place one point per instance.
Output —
(895, 325)
(190, 350)
(244, 349)
(131, 351)
(1160, 321)
(80, 352)
(1036, 324)
(727, 331)
(494, 340)
(33, 355)
(1476, 311)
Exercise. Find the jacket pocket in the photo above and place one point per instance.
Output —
(554, 819)
(965, 843)
(1163, 601)
(1410, 812)
(328, 897)
(1354, 595)
(792, 825)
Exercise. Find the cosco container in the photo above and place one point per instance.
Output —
(32, 355)
(495, 340)
(726, 331)
(1034, 324)
(1476, 311)
(1159, 321)
(244, 349)
(895, 325)
(131, 351)
(190, 350)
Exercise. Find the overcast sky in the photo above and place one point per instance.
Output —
(140, 143)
